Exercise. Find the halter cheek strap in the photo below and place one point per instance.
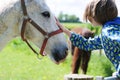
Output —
(45, 34)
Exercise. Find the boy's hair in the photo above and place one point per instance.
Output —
(101, 11)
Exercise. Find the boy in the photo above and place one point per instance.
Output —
(103, 13)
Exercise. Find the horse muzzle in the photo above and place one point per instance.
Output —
(59, 54)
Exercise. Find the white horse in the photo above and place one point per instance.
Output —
(11, 20)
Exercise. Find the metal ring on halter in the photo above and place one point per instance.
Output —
(39, 57)
(26, 17)
(46, 36)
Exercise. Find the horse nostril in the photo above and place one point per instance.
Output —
(66, 51)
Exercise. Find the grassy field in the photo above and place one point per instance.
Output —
(18, 62)
(96, 29)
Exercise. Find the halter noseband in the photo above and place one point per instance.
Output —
(45, 34)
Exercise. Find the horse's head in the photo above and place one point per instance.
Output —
(39, 12)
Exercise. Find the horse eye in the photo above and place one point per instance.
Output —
(46, 14)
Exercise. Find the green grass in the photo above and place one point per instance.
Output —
(18, 62)
(100, 65)
(96, 29)
(72, 25)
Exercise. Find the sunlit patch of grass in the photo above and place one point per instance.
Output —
(18, 62)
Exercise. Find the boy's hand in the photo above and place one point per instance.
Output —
(65, 30)
(59, 24)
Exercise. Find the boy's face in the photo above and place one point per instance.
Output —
(93, 22)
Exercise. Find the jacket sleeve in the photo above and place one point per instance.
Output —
(86, 44)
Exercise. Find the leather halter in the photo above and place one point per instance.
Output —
(45, 34)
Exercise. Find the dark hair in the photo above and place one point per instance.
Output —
(101, 10)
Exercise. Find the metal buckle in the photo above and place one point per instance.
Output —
(46, 36)
(26, 17)
(39, 57)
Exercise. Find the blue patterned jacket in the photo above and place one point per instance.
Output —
(109, 40)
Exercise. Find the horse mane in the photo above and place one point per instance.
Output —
(5, 4)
